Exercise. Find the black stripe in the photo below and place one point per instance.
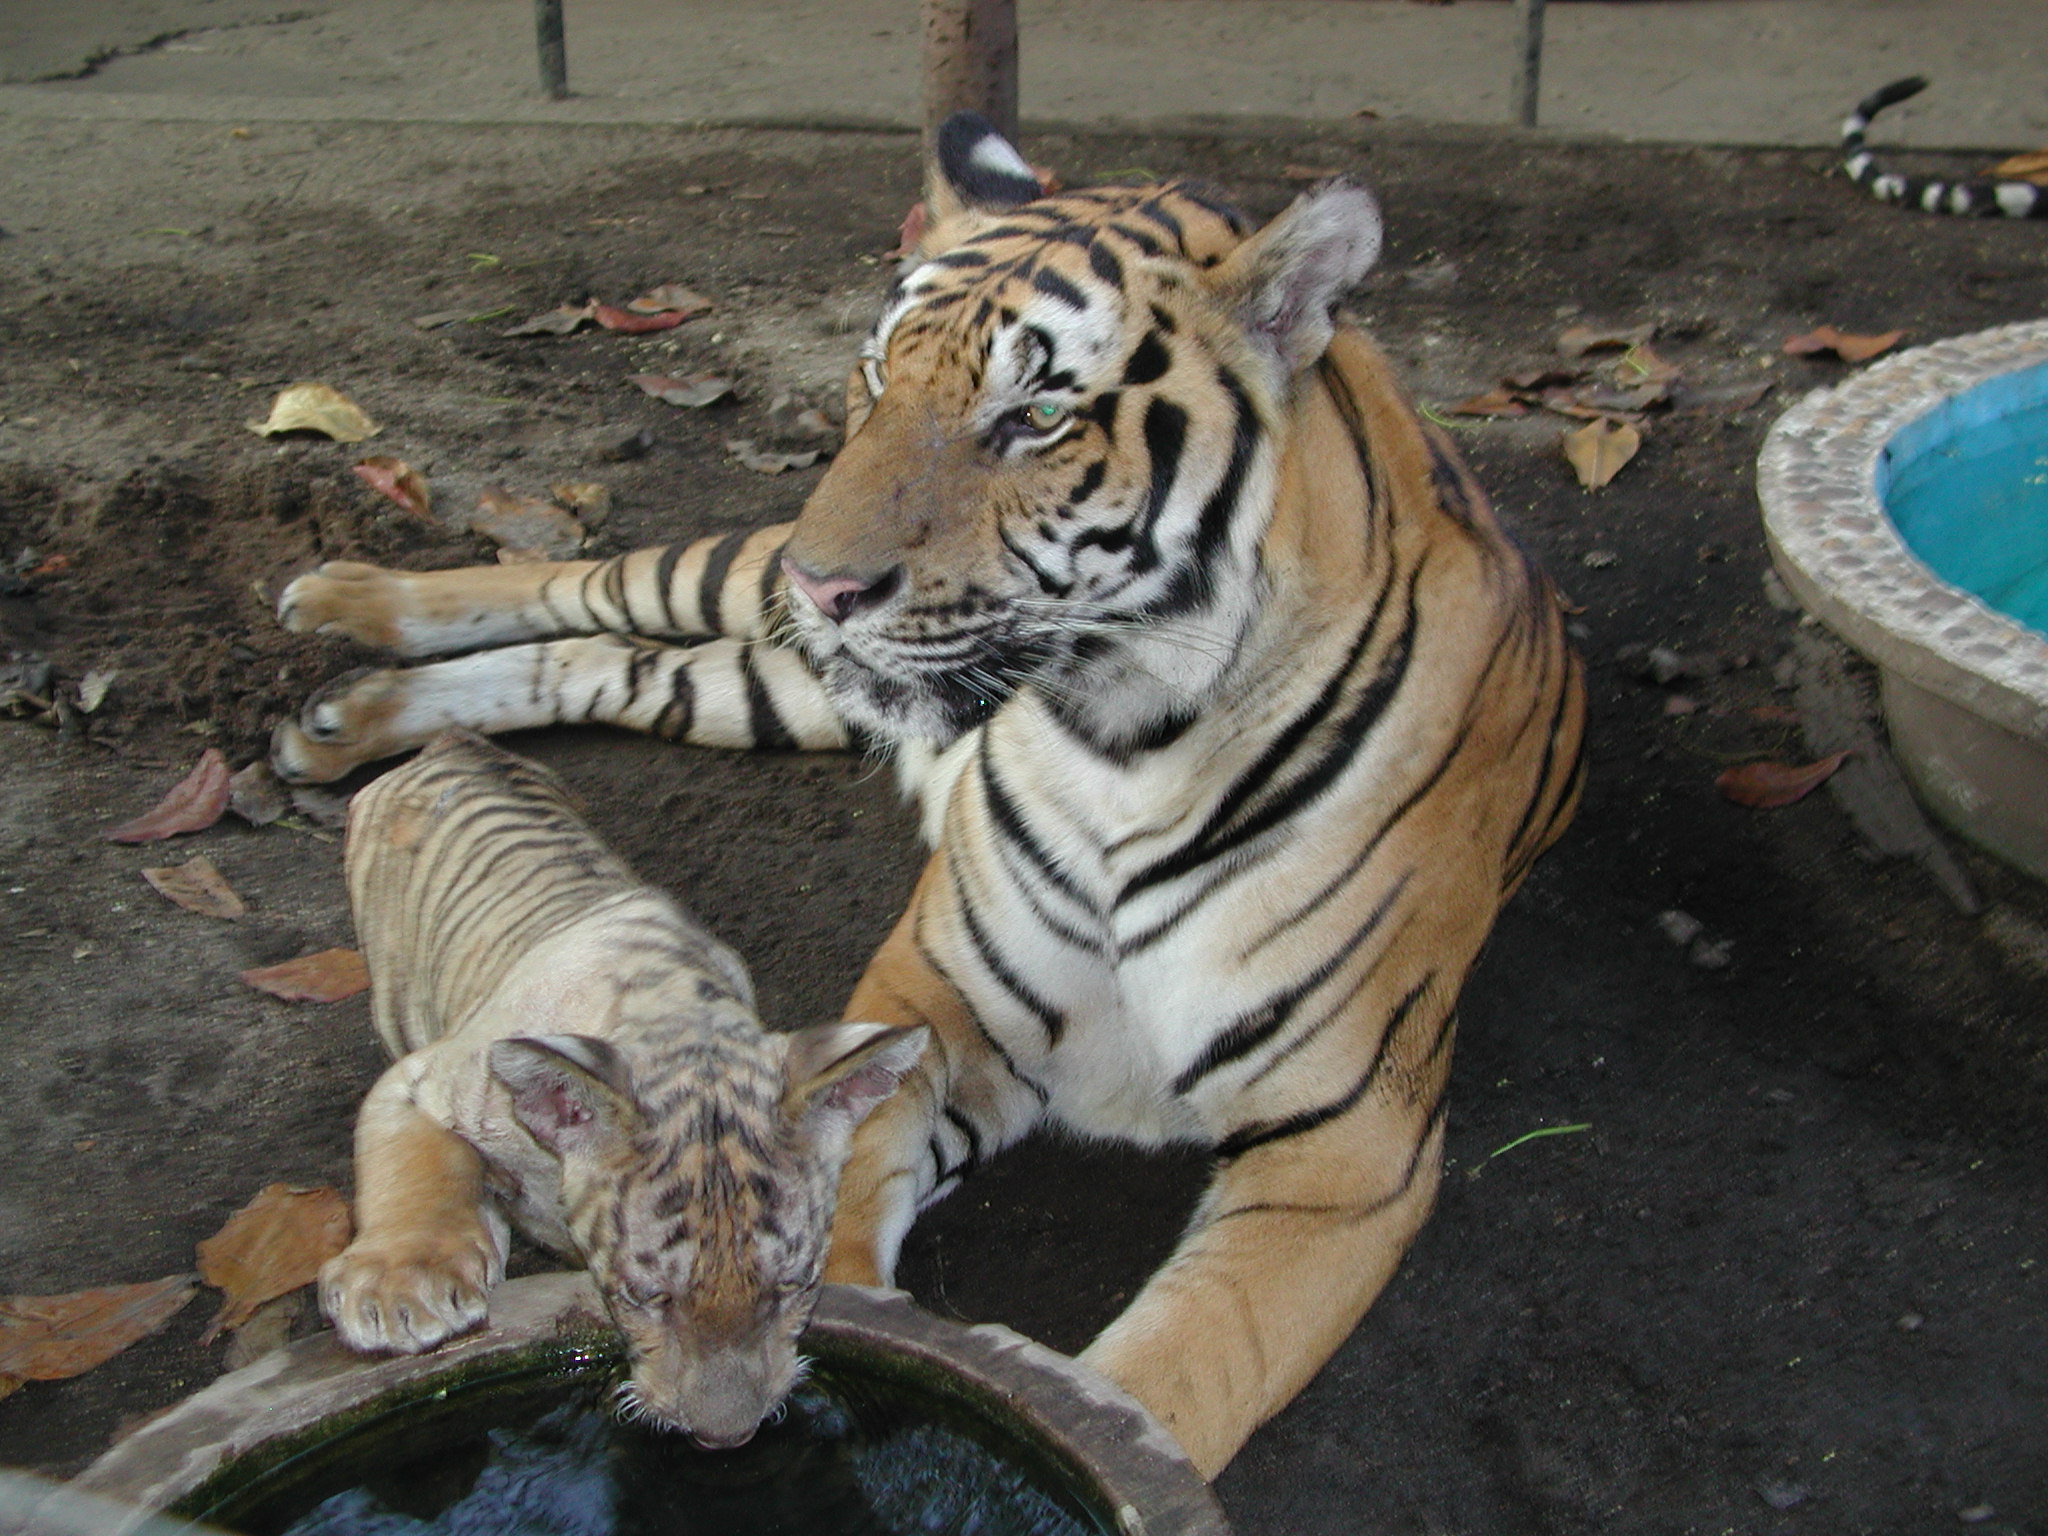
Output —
(1192, 585)
(1255, 1028)
(1004, 973)
(664, 573)
(980, 1028)
(1009, 824)
(1149, 361)
(1264, 1132)
(771, 588)
(762, 720)
(1102, 261)
(711, 586)
(615, 589)
(1166, 435)
(1050, 585)
(677, 716)
(1055, 287)
(1214, 839)
(965, 1127)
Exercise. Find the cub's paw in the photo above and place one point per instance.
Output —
(347, 723)
(404, 1295)
(363, 602)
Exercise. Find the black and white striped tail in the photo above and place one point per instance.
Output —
(1978, 195)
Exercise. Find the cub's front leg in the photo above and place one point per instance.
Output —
(428, 1246)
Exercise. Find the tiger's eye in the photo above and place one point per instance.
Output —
(1044, 415)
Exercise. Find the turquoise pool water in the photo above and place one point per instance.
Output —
(1967, 487)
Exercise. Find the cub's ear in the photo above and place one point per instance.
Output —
(1285, 279)
(976, 169)
(567, 1090)
(835, 1073)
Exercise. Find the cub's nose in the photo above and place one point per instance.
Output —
(708, 1441)
(840, 597)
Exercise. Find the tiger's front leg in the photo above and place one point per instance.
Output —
(1292, 1242)
(962, 1103)
(428, 1247)
(724, 693)
(729, 586)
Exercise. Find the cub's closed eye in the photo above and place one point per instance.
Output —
(647, 1301)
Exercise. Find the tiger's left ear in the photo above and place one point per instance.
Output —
(1285, 279)
(976, 168)
(834, 1074)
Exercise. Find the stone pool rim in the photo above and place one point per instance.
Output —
(1125, 1462)
(1819, 477)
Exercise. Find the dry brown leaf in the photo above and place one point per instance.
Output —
(1542, 378)
(589, 500)
(1621, 400)
(2030, 166)
(526, 522)
(1566, 402)
(559, 321)
(325, 977)
(1847, 345)
(769, 462)
(48, 1338)
(1690, 400)
(1599, 449)
(671, 297)
(612, 318)
(257, 795)
(194, 804)
(1578, 340)
(439, 318)
(1639, 365)
(398, 480)
(197, 886)
(696, 391)
(1767, 785)
(268, 1330)
(316, 408)
(1494, 402)
(271, 1246)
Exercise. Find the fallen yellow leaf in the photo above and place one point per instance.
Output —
(316, 408)
(271, 1246)
(326, 977)
(1598, 450)
(48, 1338)
(197, 885)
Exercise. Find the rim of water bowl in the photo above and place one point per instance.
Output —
(1120, 1455)
(1840, 553)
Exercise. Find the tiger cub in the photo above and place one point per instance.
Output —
(1235, 713)
(1974, 195)
(574, 1053)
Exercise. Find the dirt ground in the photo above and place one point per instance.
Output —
(1788, 1280)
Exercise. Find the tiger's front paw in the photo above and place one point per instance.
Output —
(349, 722)
(406, 1294)
(344, 597)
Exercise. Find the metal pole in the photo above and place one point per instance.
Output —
(970, 63)
(554, 53)
(1529, 76)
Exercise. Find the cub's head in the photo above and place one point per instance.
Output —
(700, 1193)
(1061, 445)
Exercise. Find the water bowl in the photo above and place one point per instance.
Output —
(908, 1424)
(1907, 509)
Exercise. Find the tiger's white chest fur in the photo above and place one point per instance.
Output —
(1104, 980)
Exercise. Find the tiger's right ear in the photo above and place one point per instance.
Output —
(976, 169)
(567, 1090)
(834, 1074)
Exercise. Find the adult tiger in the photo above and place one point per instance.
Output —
(1235, 712)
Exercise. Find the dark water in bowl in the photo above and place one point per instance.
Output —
(545, 1457)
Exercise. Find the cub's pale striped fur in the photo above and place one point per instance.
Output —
(574, 1053)
(1236, 714)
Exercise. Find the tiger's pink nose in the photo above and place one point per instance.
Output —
(837, 597)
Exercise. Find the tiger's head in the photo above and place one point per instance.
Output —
(699, 1191)
(1063, 439)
